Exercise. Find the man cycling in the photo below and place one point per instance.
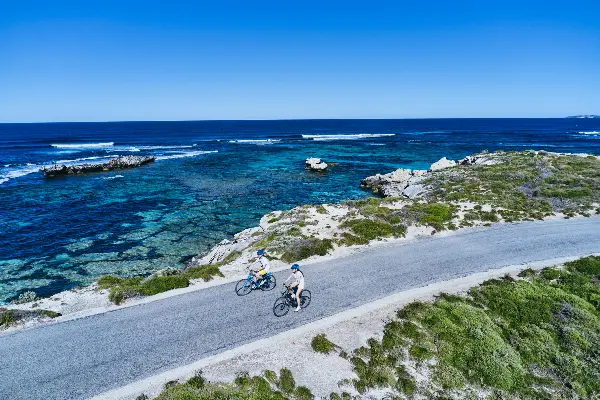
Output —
(298, 284)
(259, 275)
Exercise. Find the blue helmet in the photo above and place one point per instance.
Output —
(296, 266)
(260, 252)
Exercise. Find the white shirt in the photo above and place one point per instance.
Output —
(299, 277)
(265, 263)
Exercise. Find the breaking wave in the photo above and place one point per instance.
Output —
(347, 137)
(82, 145)
(183, 155)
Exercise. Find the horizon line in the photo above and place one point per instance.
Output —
(274, 119)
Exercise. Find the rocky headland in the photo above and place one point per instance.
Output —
(117, 163)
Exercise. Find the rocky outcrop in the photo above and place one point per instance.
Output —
(123, 162)
(401, 182)
(442, 164)
(316, 164)
(479, 159)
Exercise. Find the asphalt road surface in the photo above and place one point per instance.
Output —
(85, 357)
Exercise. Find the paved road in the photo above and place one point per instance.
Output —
(85, 357)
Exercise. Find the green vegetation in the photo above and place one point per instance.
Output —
(537, 337)
(124, 288)
(436, 215)
(321, 344)
(365, 230)
(7, 318)
(321, 209)
(12, 317)
(244, 387)
(306, 247)
(523, 185)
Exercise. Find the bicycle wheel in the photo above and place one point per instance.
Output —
(281, 307)
(269, 284)
(243, 287)
(305, 298)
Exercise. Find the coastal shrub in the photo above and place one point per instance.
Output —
(161, 284)
(197, 381)
(271, 376)
(588, 266)
(321, 209)
(266, 241)
(234, 255)
(303, 393)
(287, 383)
(365, 230)
(436, 215)
(526, 337)
(7, 318)
(49, 313)
(108, 281)
(321, 344)
(304, 248)
(205, 272)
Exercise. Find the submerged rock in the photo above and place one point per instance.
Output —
(316, 164)
(122, 162)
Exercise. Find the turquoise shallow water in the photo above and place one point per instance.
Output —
(211, 180)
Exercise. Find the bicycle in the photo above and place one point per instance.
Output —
(282, 304)
(245, 286)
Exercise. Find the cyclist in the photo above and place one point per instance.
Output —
(298, 284)
(265, 264)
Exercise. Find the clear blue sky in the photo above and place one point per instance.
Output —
(172, 60)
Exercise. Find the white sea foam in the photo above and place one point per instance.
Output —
(80, 159)
(143, 148)
(255, 141)
(347, 137)
(113, 177)
(22, 171)
(82, 145)
(376, 144)
(183, 155)
(589, 133)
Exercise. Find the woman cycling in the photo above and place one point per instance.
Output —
(298, 284)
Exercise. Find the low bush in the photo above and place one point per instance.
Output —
(204, 272)
(365, 230)
(436, 215)
(304, 248)
(7, 318)
(321, 344)
(108, 281)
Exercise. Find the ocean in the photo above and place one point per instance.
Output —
(211, 180)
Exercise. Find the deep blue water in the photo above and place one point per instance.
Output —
(211, 180)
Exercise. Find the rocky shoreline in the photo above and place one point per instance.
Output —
(117, 163)
(479, 190)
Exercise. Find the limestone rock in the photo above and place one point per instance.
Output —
(388, 185)
(122, 162)
(414, 191)
(442, 164)
(316, 164)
